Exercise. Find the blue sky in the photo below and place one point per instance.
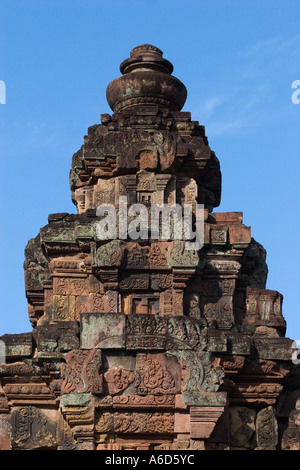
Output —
(238, 60)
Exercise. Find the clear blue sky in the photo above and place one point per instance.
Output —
(238, 60)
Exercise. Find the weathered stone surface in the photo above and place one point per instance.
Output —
(242, 426)
(33, 429)
(274, 348)
(19, 345)
(61, 336)
(291, 436)
(266, 429)
(143, 423)
(5, 432)
(104, 331)
(81, 372)
(117, 380)
(203, 421)
(157, 374)
(155, 332)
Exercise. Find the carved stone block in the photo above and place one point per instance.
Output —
(239, 235)
(60, 336)
(138, 342)
(242, 426)
(104, 331)
(266, 428)
(5, 431)
(218, 235)
(64, 308)
(291, 436)
(144, 423)
(154, 332)
(203, 421)
(117, 380)
(157, 374)
(218, 310)
(33, 429)
(144, 401)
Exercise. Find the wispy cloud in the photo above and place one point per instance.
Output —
(273, 46)
(211, 104)
(228, 127)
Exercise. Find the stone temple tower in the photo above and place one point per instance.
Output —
(139, 342)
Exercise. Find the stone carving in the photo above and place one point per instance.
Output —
(220, 311)
(135, 282)
(151, 331)
(109, 254)
(290, 439)
(166, 303)
(192, 305)
(32, 429)
(137, 256)
(161, 281)
(178, 255)
(141, 343)
(118, 379)
(69, 286)
(97, 303)
(266, 428)
(65, 438)
(242, 426)
(144, 401)
(152, 377)
(157, 256)
(64, 307)
(104, 423)
(144, 423)
(194, 366)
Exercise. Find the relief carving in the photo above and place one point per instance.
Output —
(81, 372)
(109, 254)
(134, 282)
(178, 255)
(151, 331)
(144, 423)
(117, 380)
(136, 256)
(144, 401)
(32, 429)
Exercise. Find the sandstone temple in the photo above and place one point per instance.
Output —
(141, 343)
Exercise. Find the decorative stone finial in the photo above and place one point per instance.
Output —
(146, 57)
(146, 81)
